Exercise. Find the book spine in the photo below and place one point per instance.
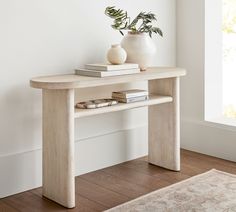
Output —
(96, 68)
(92, 73)
(133, 95)
(88, 73)
(111, 67)
(130, 100)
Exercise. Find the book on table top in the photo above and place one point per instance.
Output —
(129, 93)
(132, 99)
(110, 67)
(92, 73)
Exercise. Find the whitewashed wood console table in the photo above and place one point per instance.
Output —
(59, 114)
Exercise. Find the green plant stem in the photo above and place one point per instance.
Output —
(121, 21)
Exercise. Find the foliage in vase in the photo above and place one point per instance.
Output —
(121, 21)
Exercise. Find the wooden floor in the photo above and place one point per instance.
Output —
(112, 186)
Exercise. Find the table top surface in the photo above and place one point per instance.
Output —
(70, 81)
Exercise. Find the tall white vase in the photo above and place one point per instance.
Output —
(140, 49)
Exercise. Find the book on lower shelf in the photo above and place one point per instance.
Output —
(93, 73)
(129, 93)
(132, 99)
(128, 96)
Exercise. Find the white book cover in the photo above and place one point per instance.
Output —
(110, 67)
(92, 73)
(130, 100)
(130, 93)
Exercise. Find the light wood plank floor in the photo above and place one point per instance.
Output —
(114, 185)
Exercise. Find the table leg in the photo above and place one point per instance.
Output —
(58, 146)
(164, 130)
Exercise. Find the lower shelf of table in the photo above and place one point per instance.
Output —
(153, 100)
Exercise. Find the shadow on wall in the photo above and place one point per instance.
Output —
(114, 148)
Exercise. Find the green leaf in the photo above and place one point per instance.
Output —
(121, 21)
(121, 33)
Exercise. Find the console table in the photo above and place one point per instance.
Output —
(59, 114)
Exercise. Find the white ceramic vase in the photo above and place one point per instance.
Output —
(116, 55)
(140, 49)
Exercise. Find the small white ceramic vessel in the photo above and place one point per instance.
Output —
(116, 55)
(140, 49)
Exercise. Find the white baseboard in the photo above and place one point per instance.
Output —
(23, 171)
(208, 138)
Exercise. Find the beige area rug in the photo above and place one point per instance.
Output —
(212, 191)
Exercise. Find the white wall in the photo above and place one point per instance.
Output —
(48, 37)
(213, 60)
(196, 133)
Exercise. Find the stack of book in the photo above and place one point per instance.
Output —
(107, 70)
(129, 96)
